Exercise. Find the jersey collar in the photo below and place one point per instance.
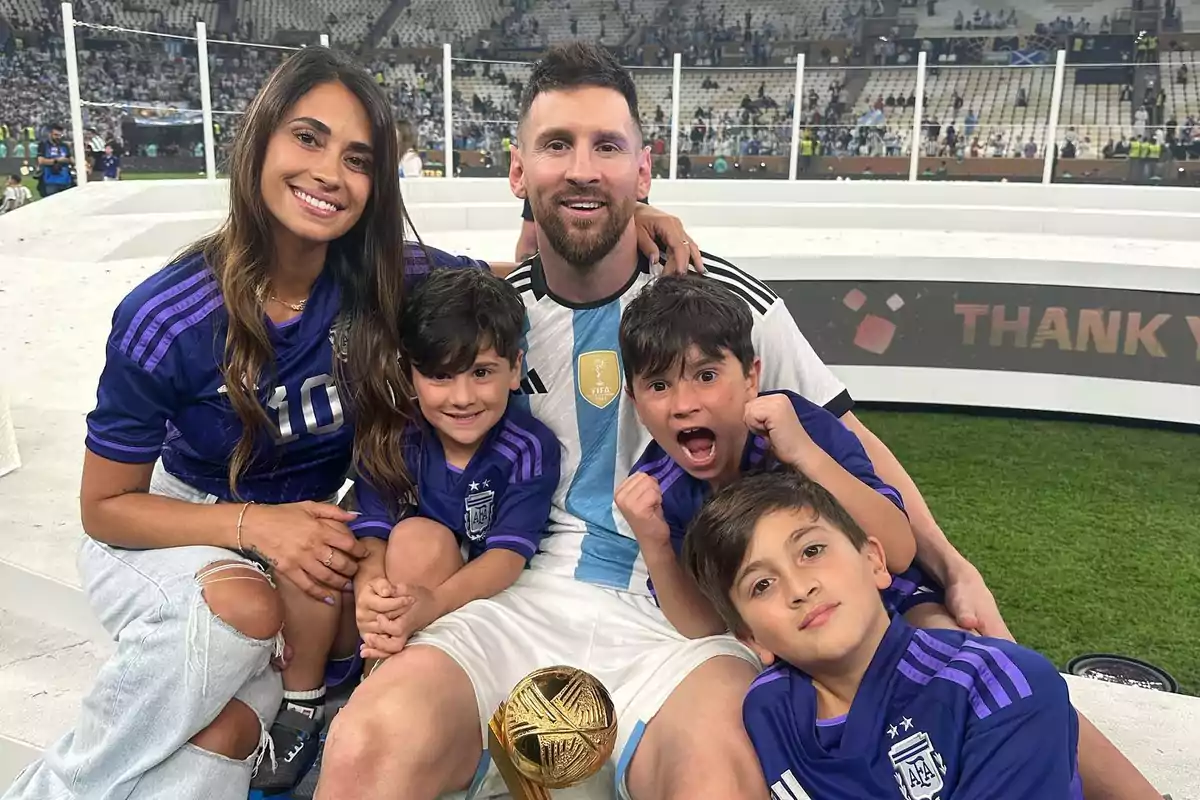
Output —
(866, 720)
(537, 274)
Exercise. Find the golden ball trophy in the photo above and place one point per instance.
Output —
(556, 729)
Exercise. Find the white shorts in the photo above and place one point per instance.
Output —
(544, 620)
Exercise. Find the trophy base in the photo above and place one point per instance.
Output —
(520, 787)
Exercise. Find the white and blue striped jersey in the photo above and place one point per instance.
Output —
(573, 382)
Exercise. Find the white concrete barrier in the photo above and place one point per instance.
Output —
(10, 458)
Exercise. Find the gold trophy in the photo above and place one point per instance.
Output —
(556, 729)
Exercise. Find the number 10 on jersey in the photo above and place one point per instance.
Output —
(281, 405)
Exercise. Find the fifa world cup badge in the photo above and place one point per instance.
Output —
(556, 729)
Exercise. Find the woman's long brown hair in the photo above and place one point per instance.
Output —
(367, 264)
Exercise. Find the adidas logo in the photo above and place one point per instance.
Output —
(532, 384)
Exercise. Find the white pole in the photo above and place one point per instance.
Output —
(797, 106)
(77, 146)
(447, 113)
(914, 157)
(206, 116)
(324, 40)
(1060, 72)
(677, 71)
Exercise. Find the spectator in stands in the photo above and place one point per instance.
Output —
(16, 194)
(55, 162)
(1141, 118)
(93, 143)
(110, 164)
(410, 159)
(1031, 148)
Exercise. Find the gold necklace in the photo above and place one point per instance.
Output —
(297, 307)
(263, 296)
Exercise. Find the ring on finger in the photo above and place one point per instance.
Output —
(329, 561)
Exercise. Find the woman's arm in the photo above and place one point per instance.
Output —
(307, 542)
(118, 509)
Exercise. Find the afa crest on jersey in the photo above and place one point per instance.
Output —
(477, 518)
(918, 767)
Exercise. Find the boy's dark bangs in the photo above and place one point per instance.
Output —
(660, 349)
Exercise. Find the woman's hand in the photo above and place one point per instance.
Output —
(308, 543)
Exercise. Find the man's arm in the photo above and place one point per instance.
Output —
(527, 244)
(678, 595)
(967, 596)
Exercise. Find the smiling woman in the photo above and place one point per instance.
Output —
(209, 469)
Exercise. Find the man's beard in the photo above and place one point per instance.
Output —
(583, 244)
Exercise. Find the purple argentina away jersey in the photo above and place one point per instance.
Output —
(501, 500)
(940, 714)
(683, 495)
(162, 392)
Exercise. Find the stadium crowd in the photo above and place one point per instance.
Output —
(127, 77)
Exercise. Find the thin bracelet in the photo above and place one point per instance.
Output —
(241, 516)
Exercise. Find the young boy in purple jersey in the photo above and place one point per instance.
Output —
(690, 367)
(485, 470)
(854, 704)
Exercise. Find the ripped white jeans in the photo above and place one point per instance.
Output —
(176, 666)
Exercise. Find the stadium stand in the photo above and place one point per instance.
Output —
(434, 22)
(596, 20)
(178, 16)
(819, 19)
(957, 17)
(953, 92)
(269, 16)
(1096, 110)
(350, 21)
(1183, 96)
(24, 13)
(723, 111)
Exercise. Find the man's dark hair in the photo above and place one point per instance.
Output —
(455, 313)
(676, 312)
(57, 127)
(15, 177)
(577, 64)
(719, 536)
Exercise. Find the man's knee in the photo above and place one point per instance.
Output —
(696, 746)
(437, 733)
(357, 741)
(242, 597)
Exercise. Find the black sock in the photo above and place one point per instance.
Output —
(311, 703)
